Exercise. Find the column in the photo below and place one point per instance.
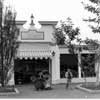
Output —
(50, 70)
(79, 64)
(55, 66)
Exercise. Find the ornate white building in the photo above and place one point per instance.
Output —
(37, 51)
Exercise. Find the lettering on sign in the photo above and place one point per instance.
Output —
(32, 35)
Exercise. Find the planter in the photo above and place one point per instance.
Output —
(8, 90)
(88, 88)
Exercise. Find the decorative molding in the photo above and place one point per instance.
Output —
(48, 22)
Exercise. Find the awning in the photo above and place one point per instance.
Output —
(34, 54)
(34, 50)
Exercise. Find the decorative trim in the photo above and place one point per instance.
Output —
(34, 54)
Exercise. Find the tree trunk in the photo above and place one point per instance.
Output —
(97, 73)
(80, 65)
(85, 81)
(97, 78)
(10, 75)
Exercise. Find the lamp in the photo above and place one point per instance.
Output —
(53, 53)
(32, 18)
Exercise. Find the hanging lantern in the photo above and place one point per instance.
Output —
(53, 53)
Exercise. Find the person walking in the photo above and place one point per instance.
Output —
(68, 76)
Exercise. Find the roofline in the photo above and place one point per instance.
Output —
(48, 22)
(65, 46)
(20, 22)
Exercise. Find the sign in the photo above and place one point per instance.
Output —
(32, 35)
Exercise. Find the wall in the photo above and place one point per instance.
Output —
(47, 29)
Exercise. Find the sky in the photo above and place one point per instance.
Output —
(54, 10)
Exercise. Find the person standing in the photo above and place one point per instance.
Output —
(68, 76)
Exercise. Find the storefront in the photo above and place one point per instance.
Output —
(25, 69)
(73, 62)
(38, 51)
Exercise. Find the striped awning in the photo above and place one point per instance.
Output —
(34, 54)
(34, 50)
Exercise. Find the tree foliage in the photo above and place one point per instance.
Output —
(8, 42)
(66, 32)
(59, 36)
(88, 64)
(95, 9)
(69, 30)
(94, 1)
(91, 44)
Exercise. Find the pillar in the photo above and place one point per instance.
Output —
(50, 70)
(79, 64)
(55, 65)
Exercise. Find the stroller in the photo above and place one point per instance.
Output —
(42, 82)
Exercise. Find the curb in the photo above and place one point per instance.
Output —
(87, 90)
(10, 93)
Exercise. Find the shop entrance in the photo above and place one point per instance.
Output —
(24, 69)
(68, 61)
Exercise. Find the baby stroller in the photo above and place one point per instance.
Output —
(42, 82)
(46, 77)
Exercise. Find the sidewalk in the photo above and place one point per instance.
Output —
(59, 91)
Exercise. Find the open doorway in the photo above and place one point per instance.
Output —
(88, 62)
(68, 61)
(24, 69)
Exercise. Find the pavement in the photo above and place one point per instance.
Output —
(58, 91)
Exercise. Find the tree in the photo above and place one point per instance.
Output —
(9, 44)
(71, 35)
(65, 32)
(59, 36)
(94, 9)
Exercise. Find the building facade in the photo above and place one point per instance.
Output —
(38, 51)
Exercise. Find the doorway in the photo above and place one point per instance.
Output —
(24, 69)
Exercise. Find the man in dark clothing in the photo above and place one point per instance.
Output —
(68, 76)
